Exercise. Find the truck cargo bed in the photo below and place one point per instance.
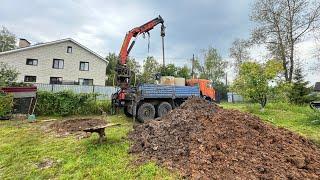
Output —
(163, 91)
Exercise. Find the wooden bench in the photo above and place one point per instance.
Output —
(100, 130)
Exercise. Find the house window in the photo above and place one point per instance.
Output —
(69, 49)
(84, 66)
(32, 62)
(30, 78)
(55, 80)
(85, 82)
(58, 63)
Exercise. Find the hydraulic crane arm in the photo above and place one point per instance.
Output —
(125, 49)
(122, 70)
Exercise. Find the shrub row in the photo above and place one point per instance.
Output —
(6, 104)
(66, 103)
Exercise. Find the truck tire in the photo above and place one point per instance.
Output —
(163, 109)
(125, 110)
(146, 111)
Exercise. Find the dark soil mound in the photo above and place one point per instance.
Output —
(204, 141)
(75, 125)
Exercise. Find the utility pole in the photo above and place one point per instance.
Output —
(192, 67)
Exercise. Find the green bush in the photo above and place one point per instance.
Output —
(280, 92)
(66, 103)
(6, 104)
(105, 105)
(299, 93)
(222, 89)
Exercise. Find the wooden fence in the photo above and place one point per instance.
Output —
(104, 92)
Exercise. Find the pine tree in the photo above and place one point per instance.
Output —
(299, 91)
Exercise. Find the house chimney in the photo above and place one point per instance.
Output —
(24, 43)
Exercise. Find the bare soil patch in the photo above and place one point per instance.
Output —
(203, 141)
(76, 126)
(46, 163)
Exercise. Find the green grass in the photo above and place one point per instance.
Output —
(300, 119)
(23, 145)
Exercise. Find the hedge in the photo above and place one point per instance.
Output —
(66, 103)
(6, 104)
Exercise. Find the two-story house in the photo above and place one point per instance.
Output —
(63, 61)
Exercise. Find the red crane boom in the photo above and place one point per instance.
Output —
(123, 72)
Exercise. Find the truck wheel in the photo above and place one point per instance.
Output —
(163, 109)
(146, 111)
(126, 112)
(208, 99)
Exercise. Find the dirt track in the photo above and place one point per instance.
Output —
(204, 141)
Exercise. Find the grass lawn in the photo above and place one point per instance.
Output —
(300, 119)
(24, 145)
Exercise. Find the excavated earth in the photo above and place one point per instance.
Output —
(203, 141)
(75, 126)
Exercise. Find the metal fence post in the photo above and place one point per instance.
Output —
(95, 97)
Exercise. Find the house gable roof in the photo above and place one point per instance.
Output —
(54, 42)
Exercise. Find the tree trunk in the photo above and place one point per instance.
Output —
(291, 63)
(291, 42)
(284, 63)
(282, 52)
(263, 102)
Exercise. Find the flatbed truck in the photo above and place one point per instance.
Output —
(149, 101)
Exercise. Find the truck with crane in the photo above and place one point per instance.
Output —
(148, 101)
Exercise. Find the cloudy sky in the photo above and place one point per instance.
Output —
(101, 25)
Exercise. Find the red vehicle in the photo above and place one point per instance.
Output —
(206, 89)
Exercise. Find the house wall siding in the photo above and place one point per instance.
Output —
(45, 56)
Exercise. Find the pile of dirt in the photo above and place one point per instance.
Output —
(201, 140)
(71, 126)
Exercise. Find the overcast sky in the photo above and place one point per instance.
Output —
(101, 25)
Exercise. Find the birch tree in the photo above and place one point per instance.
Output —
(281, 24)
